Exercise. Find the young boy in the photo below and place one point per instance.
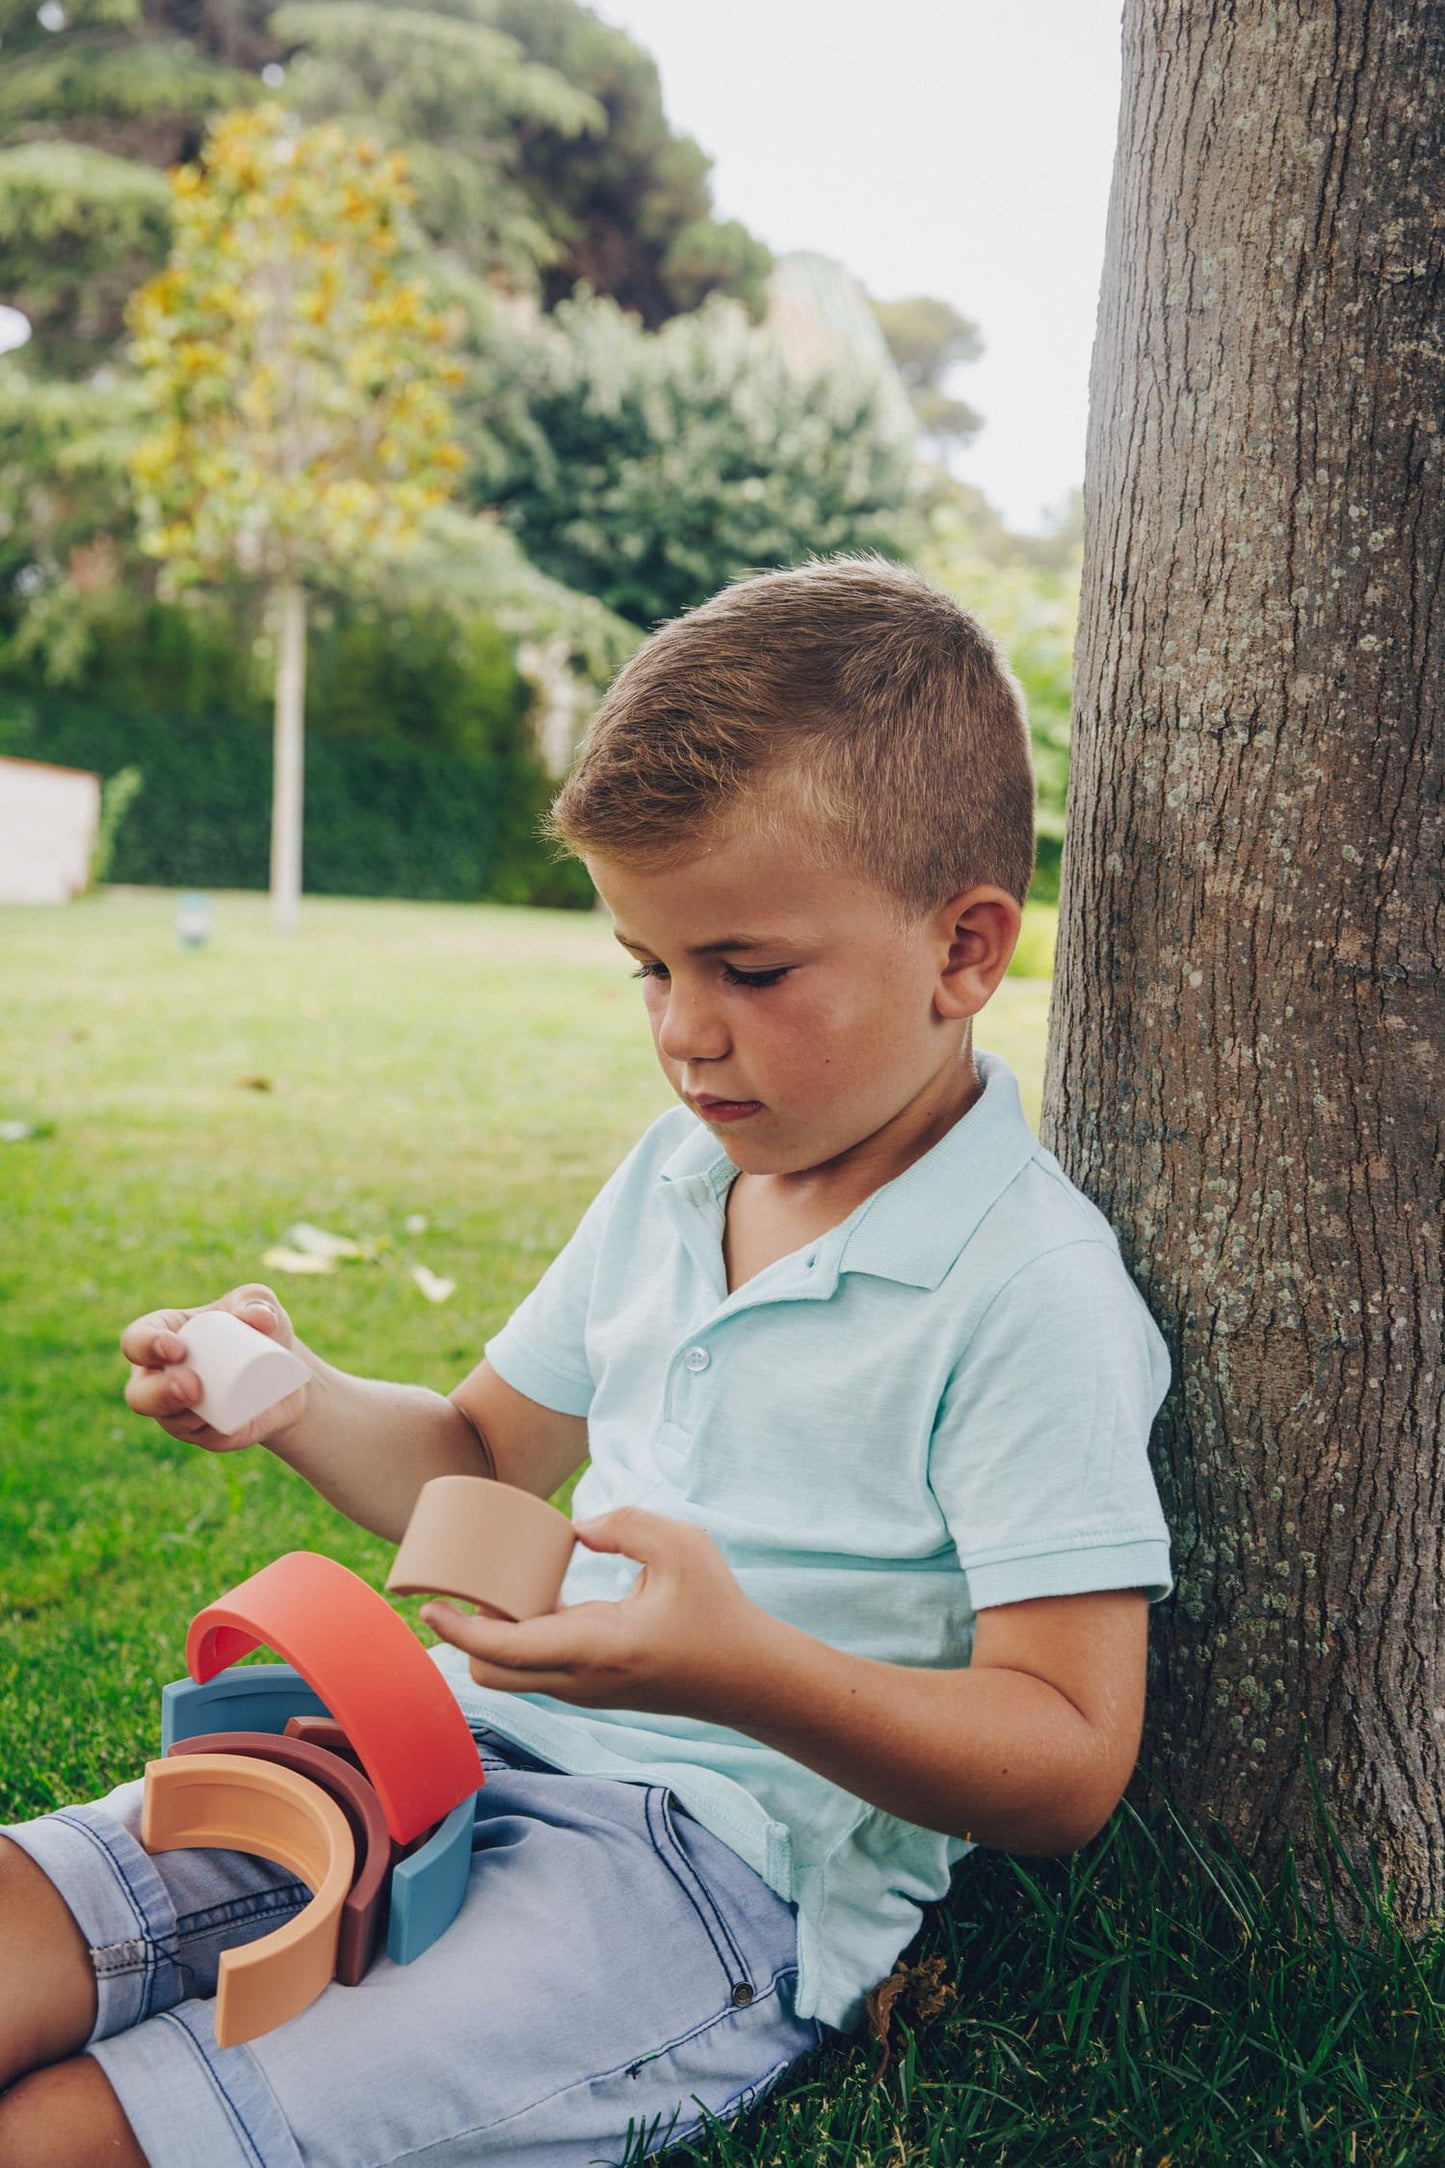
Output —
(867, 1535)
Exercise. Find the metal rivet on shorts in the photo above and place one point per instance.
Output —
(742, 1995)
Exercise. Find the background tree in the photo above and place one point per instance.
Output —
(630, 206)
(648, 468)
(929, 340)
(1246, 1058)
(300, 387)
(540, 153)
(535, 137)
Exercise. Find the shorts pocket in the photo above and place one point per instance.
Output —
(663, 1810)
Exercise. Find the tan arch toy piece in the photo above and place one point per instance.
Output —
(251, 1806)
(489, 1543)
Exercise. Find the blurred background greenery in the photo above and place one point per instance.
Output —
(649, 404)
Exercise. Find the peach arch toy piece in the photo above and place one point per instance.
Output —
(251, 1806)
(368, 1670)
(486, 1542)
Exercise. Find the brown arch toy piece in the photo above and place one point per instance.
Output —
(363, 1914)
(326, 1732)
(365, 1665)
(252, 1806)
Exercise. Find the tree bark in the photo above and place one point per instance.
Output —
(288, 763)
(1245, 1058)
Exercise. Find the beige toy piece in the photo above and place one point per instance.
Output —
(253, 1806)
(489, 1543)
(242, 1373)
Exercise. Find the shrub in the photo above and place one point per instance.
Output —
(381, 819)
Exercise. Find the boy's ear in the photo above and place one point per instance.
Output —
(978, 930)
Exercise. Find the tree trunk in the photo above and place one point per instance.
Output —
(1245, 1061)
(288, 776)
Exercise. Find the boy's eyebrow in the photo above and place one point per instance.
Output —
(733, 946)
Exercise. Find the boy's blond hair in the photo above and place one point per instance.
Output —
(847, 706)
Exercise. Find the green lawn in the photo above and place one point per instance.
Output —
(483, 1069)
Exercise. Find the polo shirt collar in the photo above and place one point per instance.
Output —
(915, 1228)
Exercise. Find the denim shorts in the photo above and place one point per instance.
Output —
(615, 1979)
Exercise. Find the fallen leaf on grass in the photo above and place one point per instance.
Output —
(319, 1242)
(434, 1288)
(284, 1259)
(17, 1132)
(256, 1083)
(928, 1992)
(416, 1223)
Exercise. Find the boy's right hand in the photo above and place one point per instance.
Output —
(164, 1386)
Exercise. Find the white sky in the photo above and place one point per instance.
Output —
(953, 147)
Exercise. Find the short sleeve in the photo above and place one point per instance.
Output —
(542, 1349)
(1039, 1458)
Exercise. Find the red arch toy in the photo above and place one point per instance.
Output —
(366, 1666)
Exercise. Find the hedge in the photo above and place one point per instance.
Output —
(379, 820)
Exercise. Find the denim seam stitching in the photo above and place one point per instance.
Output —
(669, 1852)
(146, 1936)
(218, 2084)
(236, 1909)
(705, 1895)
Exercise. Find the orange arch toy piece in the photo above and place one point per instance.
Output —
(251, 1806)
(365, 1665)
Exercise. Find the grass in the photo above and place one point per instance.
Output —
(1144, 2005)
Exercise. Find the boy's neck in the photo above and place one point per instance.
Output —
(771, 1215)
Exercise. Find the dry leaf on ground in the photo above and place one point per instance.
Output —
(284, 1259)
(320, 1242)
(925, 1990)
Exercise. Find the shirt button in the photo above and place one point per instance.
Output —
(697, 1358)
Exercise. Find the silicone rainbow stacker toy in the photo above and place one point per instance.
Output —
(351, 1763)
(352, 1660)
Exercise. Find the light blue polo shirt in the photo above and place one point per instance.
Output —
(943, 1403)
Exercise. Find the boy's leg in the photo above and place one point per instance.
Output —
(47, 1982)
(64, 2113)
(66, 2117)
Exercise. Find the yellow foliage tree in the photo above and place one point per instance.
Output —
(300, 391)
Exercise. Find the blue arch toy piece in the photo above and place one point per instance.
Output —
(248, 1697)
(428, 1887)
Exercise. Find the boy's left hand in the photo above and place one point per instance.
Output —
(676, 1644)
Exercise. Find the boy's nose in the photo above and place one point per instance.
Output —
(690, 1028)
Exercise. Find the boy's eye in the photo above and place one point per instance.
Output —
(735, 977)
(731, 974)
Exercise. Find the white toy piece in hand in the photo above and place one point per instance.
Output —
(242, 1373)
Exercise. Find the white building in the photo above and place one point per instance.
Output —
(48, 819)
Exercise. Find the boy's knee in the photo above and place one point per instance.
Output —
(66, 2117)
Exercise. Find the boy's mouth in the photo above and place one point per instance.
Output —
(723, 1110)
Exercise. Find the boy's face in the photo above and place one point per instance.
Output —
(792, 1007)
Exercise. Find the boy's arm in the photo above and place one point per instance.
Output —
(366, 1445)
(1029, 1749)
